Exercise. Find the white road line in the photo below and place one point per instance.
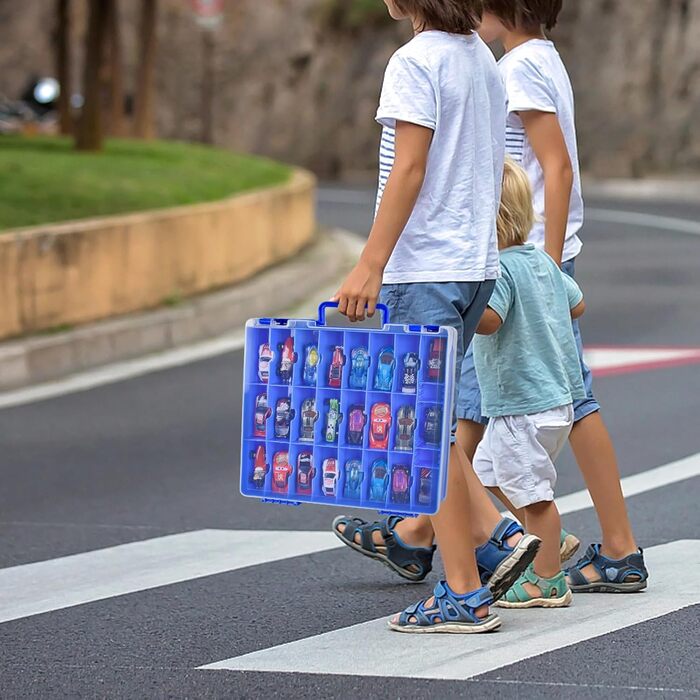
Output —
(32, 589)
(657, 478)
(634, 218)
(525, 633)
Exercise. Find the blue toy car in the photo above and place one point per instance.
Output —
(353, 479)
(311, 359)
(424, 487)
(384, 377)
(359, 366)
(409, 378)
(379, 480)
(432, 425)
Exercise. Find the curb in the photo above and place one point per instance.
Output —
(278, 289)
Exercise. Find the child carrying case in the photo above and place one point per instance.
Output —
(353, 416)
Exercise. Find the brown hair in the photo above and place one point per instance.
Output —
(525, 13)
(516, 217)
(453, 16)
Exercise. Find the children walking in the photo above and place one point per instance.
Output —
(541, 135)
(432, 257)
(528, 369)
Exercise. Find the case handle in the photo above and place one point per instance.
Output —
(382, 308)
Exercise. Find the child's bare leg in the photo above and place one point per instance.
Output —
(542, 519)
(595, 455)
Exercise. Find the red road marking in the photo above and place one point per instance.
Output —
(610, 360)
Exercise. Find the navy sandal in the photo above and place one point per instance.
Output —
(449, 613)
(627, 575)
(411, 563)
(501, 565)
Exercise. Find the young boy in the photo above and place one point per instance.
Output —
(528, 370)
(541, 136)
(432, 254)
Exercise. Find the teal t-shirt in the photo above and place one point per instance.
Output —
(531, 363)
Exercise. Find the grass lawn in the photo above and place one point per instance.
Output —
(43, 180)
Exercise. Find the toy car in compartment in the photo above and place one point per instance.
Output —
(353, 479)
(409, 377)
(287, 359)
(379, 480)
(379, 424)
(359, 368)
(309, 416)
(333, 420)
(335, 369)
(284, 413)
(356, 424)
(400, 484)
(259, 467)
(435, 358)
(386, 363)
(432, 424)
(330, 476)
(405, 427)
(265, 356)
(281, 471)
(305, 472)
(311, 360)
(262, 413)
(424, 487)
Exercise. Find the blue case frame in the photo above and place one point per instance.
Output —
(419, 483)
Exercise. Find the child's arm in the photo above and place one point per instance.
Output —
(578, 310)
(490, 322)
(548, 143)
(362, 286)
(575, 296)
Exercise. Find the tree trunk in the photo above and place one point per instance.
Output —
(63, 72)
(115, 72)
(143, 120)
(207, 106)
(89, 136)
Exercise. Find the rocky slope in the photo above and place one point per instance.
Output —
(294, 83)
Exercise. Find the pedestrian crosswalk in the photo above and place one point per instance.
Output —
(46, 586)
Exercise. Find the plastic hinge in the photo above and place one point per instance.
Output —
(402, 514)
(265, 321)
(432, 329)
(415, 329)
(281, 502)
(281, 321)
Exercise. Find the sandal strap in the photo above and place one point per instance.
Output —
(505, 529)
(402, 554)
(609, 570)
(355, 525)
(447, 606)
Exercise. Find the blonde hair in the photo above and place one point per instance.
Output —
(516, 217)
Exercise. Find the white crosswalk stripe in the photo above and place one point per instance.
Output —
(376, 651)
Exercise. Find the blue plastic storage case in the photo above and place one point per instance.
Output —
(313, 433)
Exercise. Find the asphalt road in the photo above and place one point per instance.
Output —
(142, 459)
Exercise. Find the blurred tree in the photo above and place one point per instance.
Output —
(114, 71)
(144, 99)
(89, 133)
(63, 72)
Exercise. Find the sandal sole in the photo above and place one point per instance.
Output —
(490, 624)
(599, 587)
(569, 547)
(382, 558)
(562, 602)
(510, 569)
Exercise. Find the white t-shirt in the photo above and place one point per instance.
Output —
(536, 79)
(448, 83)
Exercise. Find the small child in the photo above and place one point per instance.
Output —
(528, 369)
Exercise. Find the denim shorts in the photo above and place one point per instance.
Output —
(469, 394)
(456, 304)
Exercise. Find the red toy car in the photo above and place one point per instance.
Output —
(287, 359)
(281, 471)
(262, 413)
(435, 357)
(379, 424)
(259, 467)
(335, 371)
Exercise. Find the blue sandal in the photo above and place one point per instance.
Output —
(411, 563)
(627, 575)
(449, 613)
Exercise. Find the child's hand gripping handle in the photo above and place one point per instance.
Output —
(382, 308)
